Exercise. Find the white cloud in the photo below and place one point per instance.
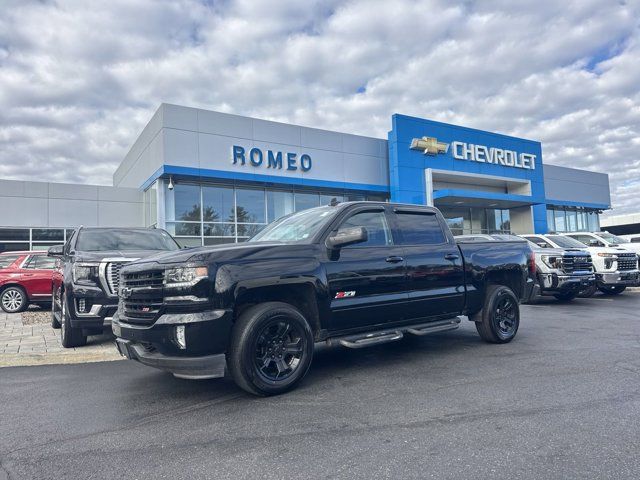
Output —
(78, 80)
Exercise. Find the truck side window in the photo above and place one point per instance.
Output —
(419, 228)
(376, 225)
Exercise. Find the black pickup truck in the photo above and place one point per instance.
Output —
(85, 281)
(352, 274)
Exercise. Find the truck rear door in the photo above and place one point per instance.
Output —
(435, 274)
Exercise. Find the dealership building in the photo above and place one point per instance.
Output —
(211, 178)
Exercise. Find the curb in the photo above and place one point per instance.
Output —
(26, 360)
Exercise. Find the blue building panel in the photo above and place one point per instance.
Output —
(497, 155)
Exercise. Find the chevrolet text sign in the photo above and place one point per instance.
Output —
(497, 156)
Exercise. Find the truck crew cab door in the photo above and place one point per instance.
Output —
(435, 274)
(366, 280)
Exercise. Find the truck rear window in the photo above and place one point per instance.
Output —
(419, 228)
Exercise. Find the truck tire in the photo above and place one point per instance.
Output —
(271, 349)
(14, 300)
(566, 297)
(499, 319)
(612, 289)
(70, 336)
(588, 292)
(55, 301)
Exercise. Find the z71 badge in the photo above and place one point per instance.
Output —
(345, 294)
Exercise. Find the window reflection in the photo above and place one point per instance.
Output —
(215, 214)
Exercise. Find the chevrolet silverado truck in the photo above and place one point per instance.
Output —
(352, 274)
(84, 285)
(562, 273)
(615, 268)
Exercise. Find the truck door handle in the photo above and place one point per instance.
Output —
(451, 256)
(394, 259)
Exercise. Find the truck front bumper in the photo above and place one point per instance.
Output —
(202, 355)
(627, 278)
(554, 283)
(194, 368)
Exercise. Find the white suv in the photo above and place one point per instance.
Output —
(616, 268)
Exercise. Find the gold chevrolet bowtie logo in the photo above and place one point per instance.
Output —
(429, 145)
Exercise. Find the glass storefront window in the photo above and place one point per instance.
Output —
(184, 228)
(13, 247)
(250, 206)
(594, 222)
(221, 214)
(306, 200)
(551, 222)
(14, 234)
(279, 204)
(218, 204)
(219, 229)
(184, 203)
(571, 221)
(48, 234)
(458, 219)
(327, 199)
(559, 220)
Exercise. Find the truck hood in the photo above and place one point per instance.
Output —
(630, 247)
(612, 250)
(100, 256)
(204, 255)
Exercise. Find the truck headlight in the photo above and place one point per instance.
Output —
(85, 274)
(609, 258)
(184, 276)
(552, 261)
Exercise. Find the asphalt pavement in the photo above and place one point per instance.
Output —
(561, 401)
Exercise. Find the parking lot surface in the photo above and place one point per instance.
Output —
(561, 401)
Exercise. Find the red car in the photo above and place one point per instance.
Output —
(25, 278)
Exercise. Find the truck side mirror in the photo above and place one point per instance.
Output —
(595, 243)
(55, 251)
(542, 244)
(347, 236)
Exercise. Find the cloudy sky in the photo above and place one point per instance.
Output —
(79, 79)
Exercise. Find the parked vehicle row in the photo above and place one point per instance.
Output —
(353, 274)
(560, 272)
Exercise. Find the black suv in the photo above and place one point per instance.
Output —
(85, 281)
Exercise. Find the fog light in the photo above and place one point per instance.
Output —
(180, 338)
(82, 306)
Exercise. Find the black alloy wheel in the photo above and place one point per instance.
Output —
(279, 348)
(505, 316)
(271, 348)
(499, 319)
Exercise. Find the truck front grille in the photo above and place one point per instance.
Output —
(112, 276)
(144, 300)
(153, 278)
(142, 311)
(627, 261)
(577, 263)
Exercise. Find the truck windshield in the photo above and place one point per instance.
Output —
(611, 238)
(108, 240)
(296, 227)
(565, 242)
